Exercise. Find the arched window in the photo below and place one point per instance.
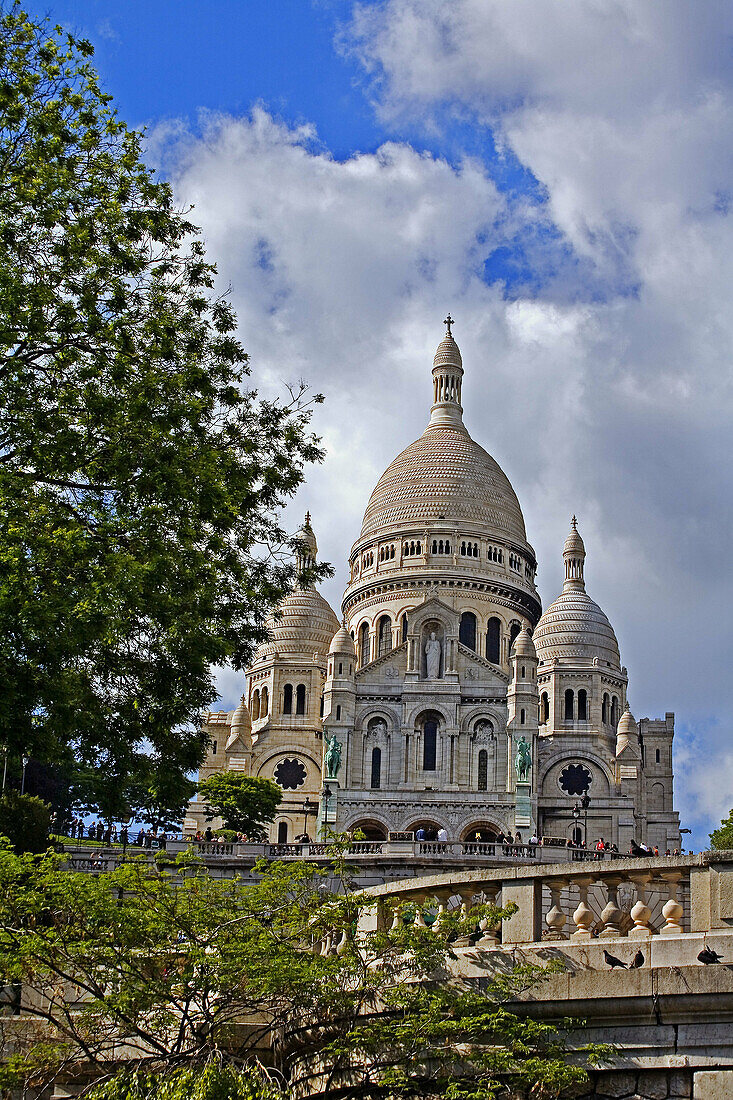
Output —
(341, 668)
(300, 699)
(384, 635)
(213, 748)
(447, 546)
(614, 712)
(430, 745)
(376, 778)
(483, 770)
(604, 709)
(544, 707)
(282, 832)
(403, 628)
(514, 629)
(338, 711)
(435, 546)
(493, 641)
(364, 644)
(569, 705)
(582, 705)
(467, 630)
(522, 716)
(288, 699)
(523, 673)
(320, 710)
(265, 702)
(255, 705)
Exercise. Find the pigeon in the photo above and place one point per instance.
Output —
(708, 956)
(637, 961)
(612, 960)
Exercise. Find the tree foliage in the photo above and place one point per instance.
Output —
(185, 969)
(25, 820)
(722, 837)
(140, 477)
(245, 803)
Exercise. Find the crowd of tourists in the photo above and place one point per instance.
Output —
(106, 833)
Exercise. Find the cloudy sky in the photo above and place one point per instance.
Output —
(557, 174)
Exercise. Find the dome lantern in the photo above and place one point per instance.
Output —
(447, 380)
(574, 558)
(305, 558)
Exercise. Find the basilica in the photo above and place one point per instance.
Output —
(445, 699)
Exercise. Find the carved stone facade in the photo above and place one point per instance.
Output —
(445, 683)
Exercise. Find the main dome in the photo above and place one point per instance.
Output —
(444, 477)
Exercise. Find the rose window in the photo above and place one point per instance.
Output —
(575, 779)
(290, 774)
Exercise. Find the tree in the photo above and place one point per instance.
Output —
(245, 803)
(179, 969)
(140, 476)
(25, 820)
(722, 837)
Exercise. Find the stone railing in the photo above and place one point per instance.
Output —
(431, 850)
(633, 899)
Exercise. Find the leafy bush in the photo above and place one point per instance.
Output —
(25, 820)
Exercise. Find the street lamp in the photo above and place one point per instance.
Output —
(25, 760)
(306, 811)
(5, 765)
(585, 803)
(325, 795)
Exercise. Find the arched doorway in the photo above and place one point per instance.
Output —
(370, 830)
(430, 827)
(480, 832)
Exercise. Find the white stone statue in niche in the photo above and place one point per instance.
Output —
(432, 657)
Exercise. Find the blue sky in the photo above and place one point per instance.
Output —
(556, 174)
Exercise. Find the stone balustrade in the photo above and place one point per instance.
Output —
(634, 899)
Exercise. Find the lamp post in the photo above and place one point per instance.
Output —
(585, 803)
(325, 795)
(306, 811)
(5, 765)
(25, 760)
(576, 819)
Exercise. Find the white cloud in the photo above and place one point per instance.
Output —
(606, 389)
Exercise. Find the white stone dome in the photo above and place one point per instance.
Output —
(240, 729)
(342, 642)
(574, 626)
(305, 625)
(523, 644)
(444, 477)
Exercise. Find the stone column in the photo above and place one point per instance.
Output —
(640, 912)
(555, 919)
(672, 911)
(583, 915)
(611, 915)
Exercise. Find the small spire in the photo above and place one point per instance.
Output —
(307, 519)
(448, 322)
(574, 522)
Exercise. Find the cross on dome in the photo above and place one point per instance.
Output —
(448, 322)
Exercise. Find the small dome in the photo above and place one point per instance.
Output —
(240, 728)
(305, 625)
(448, 354)
(343, 643)
(627, 726)
(523, 644)
(575, 627)
(307, 535)
(574, 544)
(627, 735)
